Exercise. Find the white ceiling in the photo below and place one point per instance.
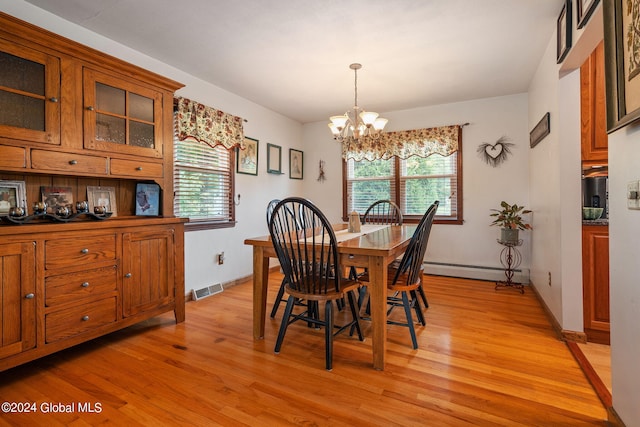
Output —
(293, 56)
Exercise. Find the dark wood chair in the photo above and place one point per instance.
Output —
(306, 246)
(383, 212)
(405, 276)
(380, 212)
(279, 297)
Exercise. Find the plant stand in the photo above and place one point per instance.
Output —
(510, 258)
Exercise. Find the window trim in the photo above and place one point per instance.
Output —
(412, 219)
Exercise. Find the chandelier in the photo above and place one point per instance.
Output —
(358, 123)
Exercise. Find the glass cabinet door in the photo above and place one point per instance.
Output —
(29, 94)
(121, 116)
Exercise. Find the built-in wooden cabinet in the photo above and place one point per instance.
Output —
(595, 236)
(593, 111)
(595, 280)
(18, 298)
(75, 117)
(143, 287)
(121, 115)
(29, 94)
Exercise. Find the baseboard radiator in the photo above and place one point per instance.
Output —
(474, 272)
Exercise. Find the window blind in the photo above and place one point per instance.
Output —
(202, 181)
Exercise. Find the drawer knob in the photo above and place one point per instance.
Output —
(29, 296)
(53, 99)
(85, 318)
(90, 108)
(73, 162)
(85, 285)
(139, 168)
(84, 251)
(128, 275)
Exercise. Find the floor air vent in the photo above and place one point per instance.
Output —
(198, 294)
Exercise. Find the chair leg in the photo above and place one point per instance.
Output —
(285, 323)
(279, 299)
(407, 310)
(423, 296)
(355, 308)
(328, 334)
(417, 308)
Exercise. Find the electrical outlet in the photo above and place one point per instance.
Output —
(633, 195)
(221, 258)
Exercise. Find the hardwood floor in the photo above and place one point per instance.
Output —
(486, 358)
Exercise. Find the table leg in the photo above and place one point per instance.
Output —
(260, 282)
(378, 299)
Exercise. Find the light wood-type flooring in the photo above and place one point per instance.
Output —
(486, 357)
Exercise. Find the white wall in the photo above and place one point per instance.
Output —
(624, 252)
(484, 187)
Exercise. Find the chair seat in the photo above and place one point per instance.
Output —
(346, 285)
(399, 285)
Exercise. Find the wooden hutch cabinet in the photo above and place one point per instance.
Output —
(75, 117)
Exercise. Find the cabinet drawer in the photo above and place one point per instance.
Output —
(135, 168)
(82, 284)
(68, 162)
(76, 320)
(13, 157)
(68, 252)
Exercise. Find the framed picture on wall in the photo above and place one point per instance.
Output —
(622, 62)
(564, 31)
(274, 159)
(585, 9)
(247, 157)
(295, 164)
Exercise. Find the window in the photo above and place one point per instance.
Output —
(413, 184)
(203, 184)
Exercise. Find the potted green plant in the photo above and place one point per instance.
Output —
(509, 217)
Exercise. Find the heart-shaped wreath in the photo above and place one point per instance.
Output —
(494, 154)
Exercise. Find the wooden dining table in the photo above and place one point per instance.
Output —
(375, 247)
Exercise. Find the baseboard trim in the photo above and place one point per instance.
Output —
(478, 272)
(552, 319)
(613, 418)
(562, 334)
(598, 386)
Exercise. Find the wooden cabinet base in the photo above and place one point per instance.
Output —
(595, 282)
(73, 282)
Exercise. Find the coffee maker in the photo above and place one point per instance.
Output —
(595, 193)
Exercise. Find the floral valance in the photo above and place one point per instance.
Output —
(208, 125)
(404, 144)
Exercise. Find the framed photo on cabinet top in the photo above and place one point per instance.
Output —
(57, 197)
(102, 197)
(274, 159)
(147, 199)
(622, 62)
(247, 157)
(12, 195)
(295, 164)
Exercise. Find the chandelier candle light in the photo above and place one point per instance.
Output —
(359, 123)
